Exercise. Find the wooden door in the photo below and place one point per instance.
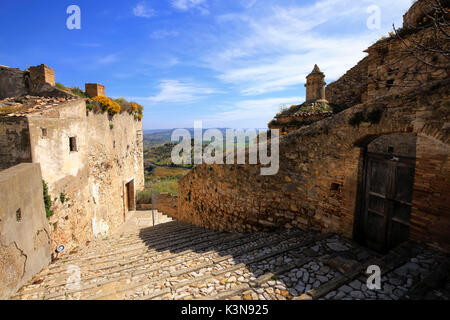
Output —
(130, 198)
(387, 206)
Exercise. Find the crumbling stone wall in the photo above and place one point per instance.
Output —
(24, 231)
(39, 75)
(65, 171)
(392, 68)
(14, 142)
(39, 81)
(94, 90)
(167, 204)
(351, 88)
(418, 10)
(321, 169)
(115, 158)
(12, 82)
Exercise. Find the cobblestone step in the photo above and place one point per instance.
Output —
(180, 261)
(131, 272)
(157, 244)
(113, 248)
(157, 258)
(394, 271)
(184, 276)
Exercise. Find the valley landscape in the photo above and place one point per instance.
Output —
(339, 193)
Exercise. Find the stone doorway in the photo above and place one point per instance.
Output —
(387, 191)
(130, 196)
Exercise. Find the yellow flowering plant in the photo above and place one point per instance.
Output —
(108, 105)
(137, 110)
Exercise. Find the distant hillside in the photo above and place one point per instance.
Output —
(153, 138)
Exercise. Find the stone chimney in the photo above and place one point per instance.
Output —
(42, 74)
(315, 85)
(95, 90)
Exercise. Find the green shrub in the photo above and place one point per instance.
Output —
(78, 92)
(47, 200)
(374, 116)
(60, 86)
(144, 197)
(62, 197)
(356, 119)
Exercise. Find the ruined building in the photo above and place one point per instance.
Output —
(376, 169)
(91, 163)
(315, 108)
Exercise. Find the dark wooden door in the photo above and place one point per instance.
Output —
(389, 184)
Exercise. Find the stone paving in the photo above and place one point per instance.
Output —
(175, 260)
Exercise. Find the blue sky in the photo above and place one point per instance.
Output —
(228, 63)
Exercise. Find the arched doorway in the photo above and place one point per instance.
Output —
(387, 191)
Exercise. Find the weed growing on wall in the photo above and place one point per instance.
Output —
(47, 200)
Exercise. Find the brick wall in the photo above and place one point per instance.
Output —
(351, 88)
(320, 171)
(42, 74)
(95, 90)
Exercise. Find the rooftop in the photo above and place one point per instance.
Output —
(19, 106)
(307, 109)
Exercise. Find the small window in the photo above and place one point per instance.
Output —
(73, 144)
(335, 187)
(43, 132)
(390, 83)
(19, 215)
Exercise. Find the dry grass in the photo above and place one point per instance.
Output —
(163, 172)
(14, 109)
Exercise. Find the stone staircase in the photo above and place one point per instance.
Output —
(175, 260)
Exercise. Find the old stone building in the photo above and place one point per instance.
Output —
(315, 108)
(91, 161)
(377, 172)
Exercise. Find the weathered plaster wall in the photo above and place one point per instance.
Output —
(115, 158)
(65, 171)
(14, 141)
(320, 168)
(24, 231)
(87, 186)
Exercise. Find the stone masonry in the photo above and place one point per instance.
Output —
(177, 261)
(91, 161)
(95, 90)
(320, 181)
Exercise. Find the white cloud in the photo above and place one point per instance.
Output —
(161, 34)
(88, 44)
(111, 58)
(185, 5)
(143, 11)
(273, 48)
(177, 91)
(255, 109)
(248, 3)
